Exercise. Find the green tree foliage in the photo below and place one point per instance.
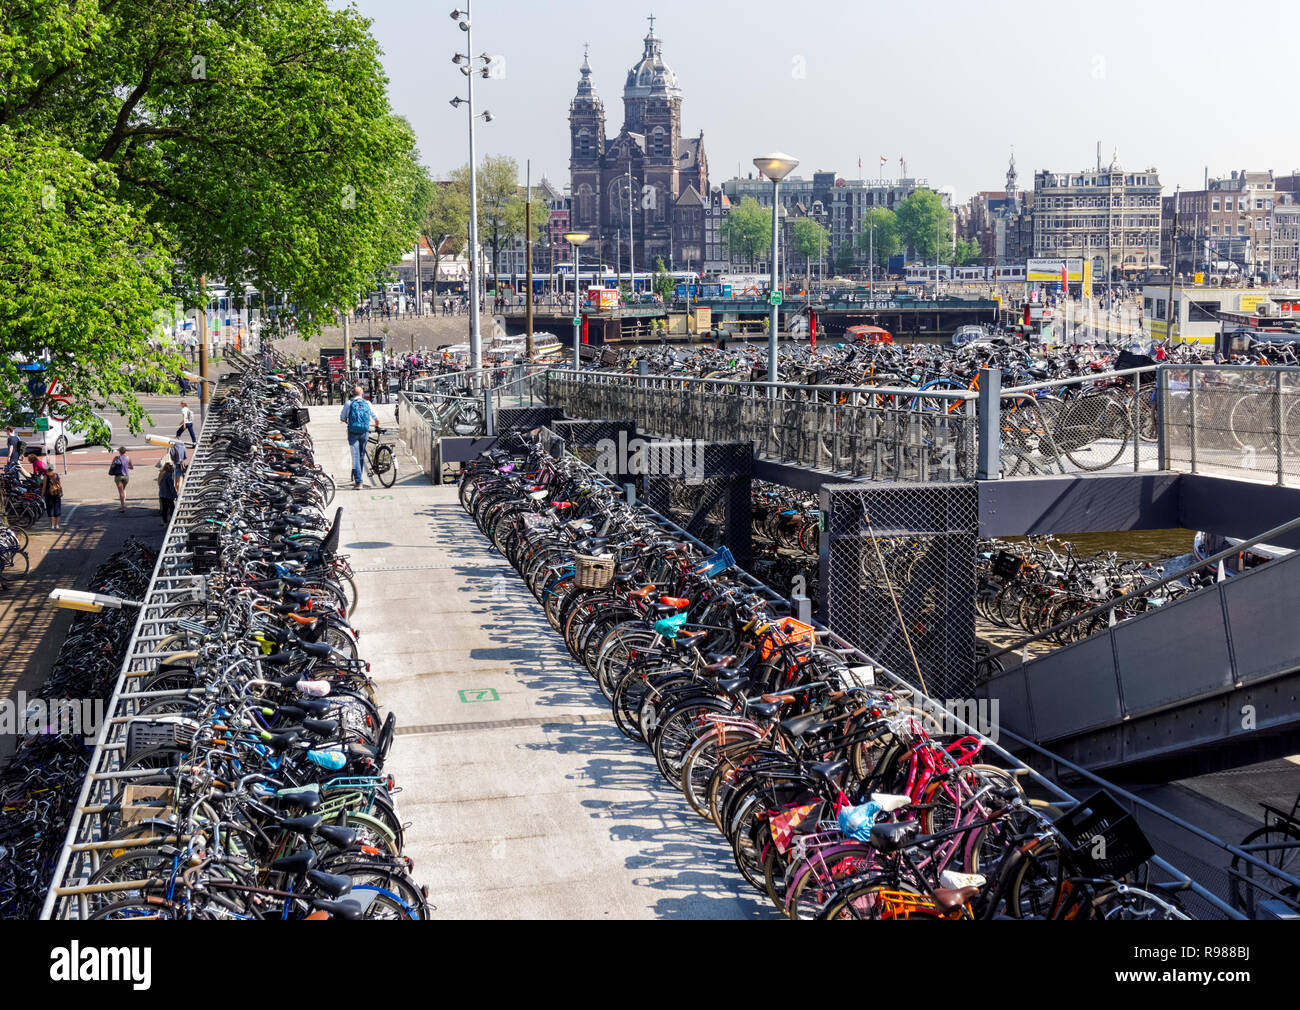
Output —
(844, 258)
(254, 138)
(810, 240)
(963, 253)
(747, 230)
(82, 276)
(446, 218)
(922, 218)
(500, 204)
(879, 234)
(662, 282)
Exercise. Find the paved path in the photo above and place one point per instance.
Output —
(524, 800)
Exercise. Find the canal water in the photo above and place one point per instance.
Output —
(1155, 546)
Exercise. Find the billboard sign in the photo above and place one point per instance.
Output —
(1049, 270)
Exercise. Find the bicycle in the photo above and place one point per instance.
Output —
(381, 458)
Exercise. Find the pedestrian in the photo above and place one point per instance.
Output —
(360, 418)
(179, 457)
(52, 490)
(168, 489)
(13, 447)
(187, 424)
(38, 465)
(120, 470)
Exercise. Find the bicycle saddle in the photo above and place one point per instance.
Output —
(347, 908)
(801, 724)
(830, 770)
(302, 825)
(334, 884)
(949, 899)
(299, 862)
(764, 710)
(892, 837)
(338, 836)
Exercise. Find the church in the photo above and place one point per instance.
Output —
(647, 179)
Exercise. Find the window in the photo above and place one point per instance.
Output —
(1215, 205)
(1227, 203)
(660, 145)
(1202, 312)
(1160, 308)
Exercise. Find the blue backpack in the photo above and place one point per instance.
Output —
(358, 416)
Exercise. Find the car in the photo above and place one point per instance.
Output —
(57, 437)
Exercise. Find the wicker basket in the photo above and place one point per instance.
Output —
(593, 571)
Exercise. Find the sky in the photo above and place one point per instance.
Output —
(952, 88)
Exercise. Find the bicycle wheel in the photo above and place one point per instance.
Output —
(1273, 841)
(19, 534)
(1094, 432)
(384, 465)
(14, 565)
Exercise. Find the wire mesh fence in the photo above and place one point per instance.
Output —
(884, 434)
(1081, 424)
(898, 578)
(1237, 421)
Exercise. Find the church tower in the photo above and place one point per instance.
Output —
(587, 137)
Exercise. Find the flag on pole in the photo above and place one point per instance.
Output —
(882, 159)
(859, 163)
(1065, 277)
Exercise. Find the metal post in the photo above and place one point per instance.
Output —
(1191, 411)
(528, 262)
(577, 315)
(489, 414)
(1137, 419)
(774, 322)
(1279, 418)
(989, 419)
(1162, 415)
(475, 344)
(203, 349)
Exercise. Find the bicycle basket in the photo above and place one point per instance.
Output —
(1103, 840)
(142, 735)
(1006, 565)
(593, 571)
(785, 629)
(718, 563)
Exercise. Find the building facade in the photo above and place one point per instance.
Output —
(1109, 215)
(1228, 227)
(643, 177)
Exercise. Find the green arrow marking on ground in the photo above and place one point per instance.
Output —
(471, 695)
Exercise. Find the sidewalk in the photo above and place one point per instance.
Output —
(524, 800)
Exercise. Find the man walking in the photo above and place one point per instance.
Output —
(360, 418)
(187, 424)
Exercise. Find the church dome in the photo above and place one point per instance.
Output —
(651, 74)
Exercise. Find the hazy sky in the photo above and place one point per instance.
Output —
(952, 87)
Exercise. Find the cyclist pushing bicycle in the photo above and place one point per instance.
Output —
(360, 419)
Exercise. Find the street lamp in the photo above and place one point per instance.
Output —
(575, 239)
(466, 63)
(94, 603)
(776, 166)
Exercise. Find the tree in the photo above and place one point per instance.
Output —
(747, 230)
(662, 282)
(879, 234)
(963, 253)
(257, 138)
(809, 239)
(84, 278)
(844, 258)
(500, 207)
(922, 218)
(445, 220)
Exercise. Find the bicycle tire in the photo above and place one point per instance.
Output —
(385, 465)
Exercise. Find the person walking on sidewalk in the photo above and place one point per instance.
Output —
(167, 491)
(360, 419)
(120, 470)
(52, 489)
(187, 423)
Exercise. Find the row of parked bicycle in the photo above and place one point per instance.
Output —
(840, 797)
(40, 781)
(257, 746)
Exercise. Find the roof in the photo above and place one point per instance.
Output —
(690, 156)
(690, 198)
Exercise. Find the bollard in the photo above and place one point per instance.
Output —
(629, 493)
(489, 414)
(802, 608)
(989, 419)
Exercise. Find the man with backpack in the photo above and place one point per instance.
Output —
(360, 419)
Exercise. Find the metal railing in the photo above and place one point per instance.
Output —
(1102, 422)
(884, 433)
(1240, 421)
(170, 585)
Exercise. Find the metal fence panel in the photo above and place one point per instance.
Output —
(1233, 421)
(901, 550)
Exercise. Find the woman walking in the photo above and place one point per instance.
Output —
(120, 470)
(52, 489)
(167, 491)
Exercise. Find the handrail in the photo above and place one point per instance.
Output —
(943, 394)
(1076, 379)
(1146, 587)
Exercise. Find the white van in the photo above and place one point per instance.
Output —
(47, 436)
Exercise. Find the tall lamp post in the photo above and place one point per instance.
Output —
(575, 239)
(470, 66)
(776, 166)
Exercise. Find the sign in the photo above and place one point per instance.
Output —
(42, 424)
(774, 298)
(1250, 303)
(1049, 270)
(577, 320)
(1198, 277)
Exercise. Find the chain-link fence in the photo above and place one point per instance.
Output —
(881, 433)
(704, 487)
(1086, 423)
(1234, 420)
(898, 577)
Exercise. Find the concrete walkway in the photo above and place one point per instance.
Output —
(523, 799)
